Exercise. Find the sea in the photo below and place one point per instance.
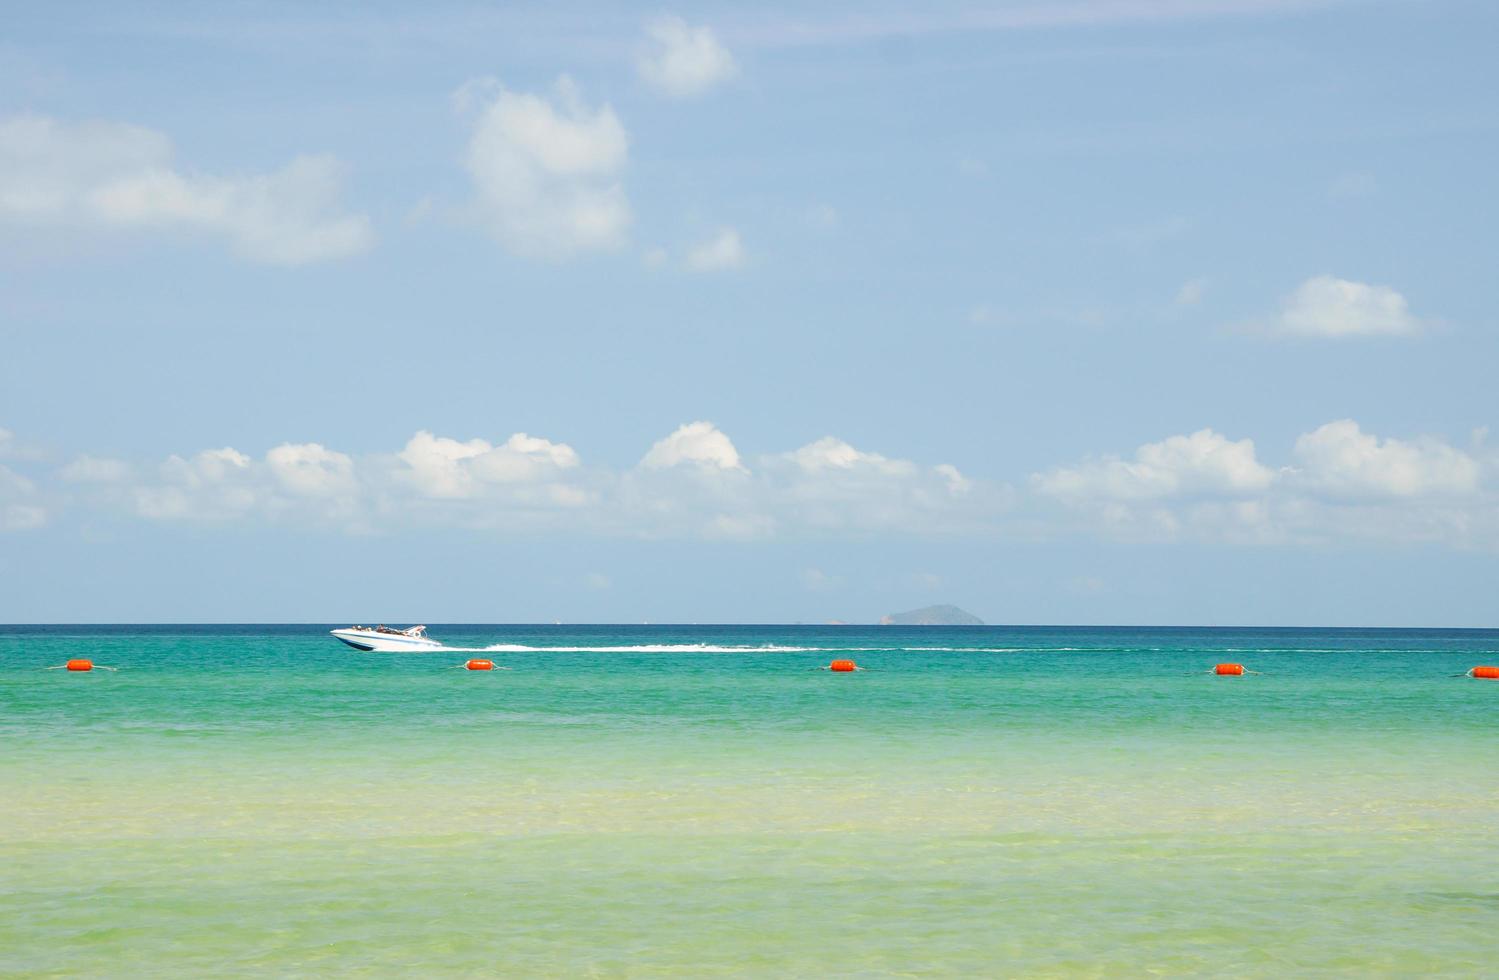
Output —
(703, 801)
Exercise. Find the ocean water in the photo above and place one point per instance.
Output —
(702, 801)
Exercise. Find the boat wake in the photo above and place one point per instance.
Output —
(720, 648)
(647, 648)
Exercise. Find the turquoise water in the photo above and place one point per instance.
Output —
(702, 801)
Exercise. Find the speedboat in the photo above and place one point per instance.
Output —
(387, 640)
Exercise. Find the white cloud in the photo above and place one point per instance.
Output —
(547, 170)
(1340, 459)
(957, 483)
(49, 168)
(522, 457)
(20, 506)
(280, 218)
(1344, 485)
(698, 443)
(691, 483)
(1325, 306)
(310, 470)
(17, 449)
(1338, 484)
(93, 469)
(432, 478)
(682, 61)
(695, 482)
(1204, 462)
(215, 484)
(436, 464)
(107, 175)
(211, 465)
(440, 467)
(830, 453)
(312, 485)
(721, 252)
(829, 485)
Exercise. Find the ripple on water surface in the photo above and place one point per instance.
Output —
(253, 800)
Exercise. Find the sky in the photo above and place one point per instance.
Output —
(1063, 311)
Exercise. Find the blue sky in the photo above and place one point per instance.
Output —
(1095, 312)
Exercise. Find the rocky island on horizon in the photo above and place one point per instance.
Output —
(942, 615)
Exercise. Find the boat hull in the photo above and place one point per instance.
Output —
(368, 641)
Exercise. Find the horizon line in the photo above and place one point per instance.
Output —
(764, 625)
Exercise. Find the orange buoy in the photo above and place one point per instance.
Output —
(480, 665)
(1229, 670)
(80, 665)
(1491, 673)
(843, 666)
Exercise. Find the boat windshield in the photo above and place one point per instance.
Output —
(419, 632)
(382, 628)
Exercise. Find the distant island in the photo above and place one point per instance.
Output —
(932, 616)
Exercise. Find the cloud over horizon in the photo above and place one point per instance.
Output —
(691, 483)
(1338, 483)
(695, 442)
(1341, 484)
(1203, 462)
(1339, 459)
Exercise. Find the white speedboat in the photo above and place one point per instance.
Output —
(387, 640)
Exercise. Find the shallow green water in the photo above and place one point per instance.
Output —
(240, 800)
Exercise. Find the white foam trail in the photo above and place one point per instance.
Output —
(647, 648)
(776, 648)
(721, 648)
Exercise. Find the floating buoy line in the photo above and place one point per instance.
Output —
(80, 665)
